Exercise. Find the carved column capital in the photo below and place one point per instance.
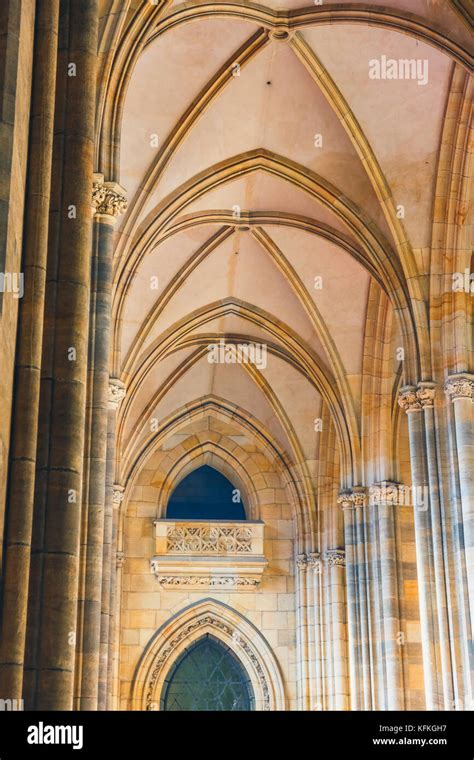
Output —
(314, 562)
(387, 493)
(302, 561)
(117, 393)
(459, 386)
(426, 392)
(108, 198)
(119, 559)
(408, 400)
(117, 497)
(414, 399)
(335, 557)
(352, 498)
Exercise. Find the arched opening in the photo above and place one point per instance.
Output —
(207, 677)
(206, 494)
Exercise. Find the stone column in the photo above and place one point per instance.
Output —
(459, 390)
(116, 395)
(315, 612)
(302, 631)
(108, 200)
(28, 357)
(352, 502)
(114, 644)
(335, 562)
(385, 497)
(62, 467)
(418, 402)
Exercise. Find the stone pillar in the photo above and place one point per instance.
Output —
(28, 356)
(114, 646)
(302, 631)
(64, 409)
(108, 200)
(418, 402)
(116, 395)
(352, 502)
(315, 611)
(385, 497)
(459, 390)
(335, 562)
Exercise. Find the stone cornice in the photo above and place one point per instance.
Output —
(117, 393)
(414, 399)
(108, 198)
(459, 386)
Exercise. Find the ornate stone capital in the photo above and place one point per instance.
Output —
(117, 393)
(302, 561)
(413, 399)
(335, 557)
(314, 562)
(108, 198)
(459, 386)
(426, 392)
(117, 497)
(352, 498)
(408, 399)
(120, 559)
(386, 493)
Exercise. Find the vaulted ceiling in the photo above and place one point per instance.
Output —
(265, 172)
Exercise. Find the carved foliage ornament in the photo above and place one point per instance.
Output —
(191, 628)
(336, 557)
(209, 539)
(117, 393)
(208, 581)
(108, 198)
(413, 399)
(351, 499)
(386, 493)
(459, 386)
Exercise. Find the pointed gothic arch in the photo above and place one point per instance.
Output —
(227, 626)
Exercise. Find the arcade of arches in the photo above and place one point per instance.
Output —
(236, 389)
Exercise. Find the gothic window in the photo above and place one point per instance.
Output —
(205, 494)
(207, 677)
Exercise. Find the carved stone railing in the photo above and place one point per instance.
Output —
(212, 554)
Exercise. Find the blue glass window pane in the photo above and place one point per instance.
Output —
(205, 494)
(207, 677)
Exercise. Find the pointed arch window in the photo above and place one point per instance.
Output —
(205, 494)
(207, 677)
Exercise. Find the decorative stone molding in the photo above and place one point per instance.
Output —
(118, 493)
(459, 386)
(208, 616)
(205, 581)
(387, 493)
(108, 198)
(352, 498)
(208, 555)
(209, 539)
(335, 557)
(120, 559)
(117, 393)
(413, 399)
